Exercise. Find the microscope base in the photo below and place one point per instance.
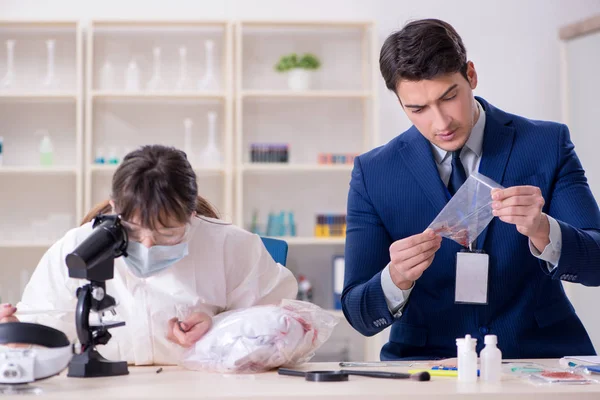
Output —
(90, 364)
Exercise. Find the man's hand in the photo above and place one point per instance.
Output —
(7, 312)
(411, 256)
(187, 332)
(522, 206)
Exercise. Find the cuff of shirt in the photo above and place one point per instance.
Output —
(551, 253)
(394, 296)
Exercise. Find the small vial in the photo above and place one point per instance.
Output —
(112, 156)
(467, 359)
(491, 360)
(99, 159)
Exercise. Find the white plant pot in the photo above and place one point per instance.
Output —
(299, 79)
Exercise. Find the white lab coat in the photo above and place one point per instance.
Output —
(227, 268)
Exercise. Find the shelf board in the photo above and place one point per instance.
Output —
(306, 24)
(297, 240)
(123, 23)
(282, 167)
(23, 244)
(16, 23)
(306, 94)
(191, 95)
(38, 95)
(38, 170)
(111, 168)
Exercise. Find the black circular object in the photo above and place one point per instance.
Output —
(326, 376)
(27, 333)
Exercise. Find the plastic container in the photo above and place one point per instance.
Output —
(46, 149)
(468, 212)
(467, 359)
(491, 360)
(132, 77)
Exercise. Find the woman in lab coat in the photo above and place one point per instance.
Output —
(183, 264)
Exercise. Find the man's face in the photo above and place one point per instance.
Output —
(443, 109)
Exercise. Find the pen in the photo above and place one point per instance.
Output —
(438, 372)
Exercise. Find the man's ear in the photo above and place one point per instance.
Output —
(471, 75)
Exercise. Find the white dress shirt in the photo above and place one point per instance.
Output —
(470, 156)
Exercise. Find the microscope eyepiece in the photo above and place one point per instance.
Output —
(93, 258)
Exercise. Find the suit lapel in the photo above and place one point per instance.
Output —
(416, 154)
(498, 140)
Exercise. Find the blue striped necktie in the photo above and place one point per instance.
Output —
(457, 176)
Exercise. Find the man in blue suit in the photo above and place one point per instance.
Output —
(547, 228)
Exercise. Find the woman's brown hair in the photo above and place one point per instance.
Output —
(155, 183)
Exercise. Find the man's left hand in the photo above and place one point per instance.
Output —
(522, 206)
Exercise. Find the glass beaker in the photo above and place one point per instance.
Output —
(211, 156)
(156, 83)
(184, 81)
(209, 81)
(8, 82)
(50, 81)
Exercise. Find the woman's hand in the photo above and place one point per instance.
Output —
(7, 312)
(187, 332)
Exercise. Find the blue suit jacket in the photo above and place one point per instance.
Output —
(396, 192)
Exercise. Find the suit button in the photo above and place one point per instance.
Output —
(483, 330)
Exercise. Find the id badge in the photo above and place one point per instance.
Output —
(471, 277)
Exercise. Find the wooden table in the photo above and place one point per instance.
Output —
(176, 383)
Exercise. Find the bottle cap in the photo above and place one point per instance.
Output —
(490, 339)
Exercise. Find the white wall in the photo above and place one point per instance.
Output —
(513, 43)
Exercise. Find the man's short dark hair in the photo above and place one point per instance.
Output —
(423, 49)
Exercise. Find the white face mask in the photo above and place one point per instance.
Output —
(144, 262)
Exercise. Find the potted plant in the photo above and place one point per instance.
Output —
(299, 69)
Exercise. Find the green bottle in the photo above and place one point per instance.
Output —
(46, 151)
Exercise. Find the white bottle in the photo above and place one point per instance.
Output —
(491, 360)
(107, 76)
(132, 77)
(467, 359)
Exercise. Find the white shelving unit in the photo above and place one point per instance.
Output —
(259, 44)
(125, 119)
(35, 195)
(337, 115)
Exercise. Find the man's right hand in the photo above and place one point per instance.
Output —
(7, 312)
(410, 257)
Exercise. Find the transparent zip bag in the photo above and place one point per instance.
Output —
(468, 212)
(261, 338)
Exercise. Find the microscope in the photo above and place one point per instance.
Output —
(93, 260)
